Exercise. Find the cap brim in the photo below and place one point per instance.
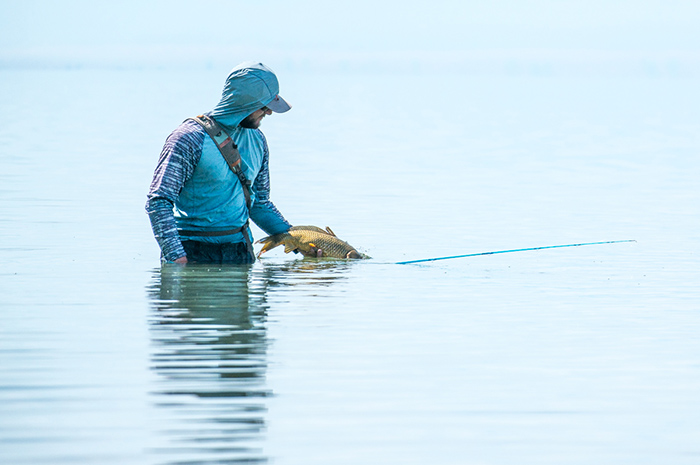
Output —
(278, 105)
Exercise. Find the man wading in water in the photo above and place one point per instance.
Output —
(212, 176)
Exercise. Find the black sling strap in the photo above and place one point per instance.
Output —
(229, 150)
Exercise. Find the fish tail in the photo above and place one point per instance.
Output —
(269, 243)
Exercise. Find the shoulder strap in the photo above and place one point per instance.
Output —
(228, 149)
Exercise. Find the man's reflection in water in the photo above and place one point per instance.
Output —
(209, 353)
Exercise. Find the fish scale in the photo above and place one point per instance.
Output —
(306, 239)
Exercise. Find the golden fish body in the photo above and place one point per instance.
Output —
(307, 240)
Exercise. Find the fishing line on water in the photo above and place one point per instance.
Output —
(508, 251)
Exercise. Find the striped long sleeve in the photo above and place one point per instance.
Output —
(263, 212)
(178, 159)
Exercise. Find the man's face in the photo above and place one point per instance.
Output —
(253, 120)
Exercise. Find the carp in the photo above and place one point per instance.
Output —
(307, 240)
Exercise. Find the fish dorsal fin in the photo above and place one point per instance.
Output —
(330, 231)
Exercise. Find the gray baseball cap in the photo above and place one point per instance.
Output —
(278, 105)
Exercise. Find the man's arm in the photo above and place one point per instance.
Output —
(179, 157)
(263, 212)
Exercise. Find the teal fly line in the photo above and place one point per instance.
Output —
(507, 251)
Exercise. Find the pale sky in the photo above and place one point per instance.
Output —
(127, 31)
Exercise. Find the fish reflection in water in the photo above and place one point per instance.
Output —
(209, 354)
(312, 272)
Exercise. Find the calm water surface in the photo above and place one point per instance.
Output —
(580, 355)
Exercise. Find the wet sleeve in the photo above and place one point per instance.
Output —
(178, 159)
(263, 212)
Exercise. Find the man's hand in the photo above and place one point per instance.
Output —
(181, 260)
(314, 252)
